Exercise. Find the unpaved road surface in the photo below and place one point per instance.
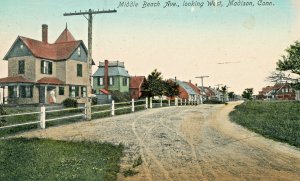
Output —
(187, 143)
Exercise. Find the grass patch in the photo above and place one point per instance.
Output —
(276, 120)
(137, 162)
(129, 172)
(34, 117)
(43, 159)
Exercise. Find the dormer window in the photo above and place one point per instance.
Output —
(21, 46)
(79, 51)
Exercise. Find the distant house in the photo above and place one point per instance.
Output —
(265, 93)
(284, 92)
(135, 86)
(111, 76)
(186, 91)
(40, 72)
(210, 93)
(280, 91)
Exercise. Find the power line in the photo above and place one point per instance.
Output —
(89, 16)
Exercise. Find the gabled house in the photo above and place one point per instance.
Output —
(284, 92)
(111, 76)
(186, 91)
(135, 86)
(42, 72)
(280, 91)
(209, 93)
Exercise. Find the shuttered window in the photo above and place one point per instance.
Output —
(46, 67)
(21, 67)
(79, 70)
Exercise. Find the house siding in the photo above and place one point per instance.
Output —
(17, 51)
(71, 73)
(13, 67)
(38, 73)
(118, 85)
(82, 57)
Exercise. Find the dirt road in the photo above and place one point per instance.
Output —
(187, 143)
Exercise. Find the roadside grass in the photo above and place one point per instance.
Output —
(44, 159)
(278, 120)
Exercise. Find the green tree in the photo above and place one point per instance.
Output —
(171, 88)
(154, 86)
(231, 95)
(291, 63)
(248, 93)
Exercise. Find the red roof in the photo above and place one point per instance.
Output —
(56, 51)
(65, 36)
(16, 79)
(104, 91)
(136, 82)
(50, 80)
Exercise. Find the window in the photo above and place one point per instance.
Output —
(21, 46)
(111, 81)
(46, 67)
(21, 67)
(12, 91)
(79, 70)
(74, 91)
(125, 81)
(25, 91)
(79, 51)
(83, 91)
(100, 81)
(61, 91)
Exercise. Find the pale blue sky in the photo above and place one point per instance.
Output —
(179, 42)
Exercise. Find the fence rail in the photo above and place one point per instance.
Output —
(110, 108)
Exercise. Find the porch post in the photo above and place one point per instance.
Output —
(18, 92)
(161, 100)
(46, 87)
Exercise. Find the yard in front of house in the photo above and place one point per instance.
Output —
(44, 159)
(279, 120)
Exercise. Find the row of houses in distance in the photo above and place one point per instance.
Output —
(40, 72)
(279, 91)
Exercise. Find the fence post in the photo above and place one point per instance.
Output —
(112, 107)
(146, 103)
(161, 100)
(43, 117)
(132, 105)
(150, 102)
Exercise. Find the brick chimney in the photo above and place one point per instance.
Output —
(45, 33)
(106, 74)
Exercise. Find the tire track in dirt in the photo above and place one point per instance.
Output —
(188, 141)
(149, 153)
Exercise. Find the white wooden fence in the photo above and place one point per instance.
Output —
(112, 108)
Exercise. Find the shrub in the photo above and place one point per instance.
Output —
(94, 100)
(212, 102)
(120, 96)
(70, 102)
(2, 112)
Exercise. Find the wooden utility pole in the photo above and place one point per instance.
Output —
(202, 77)
(89, 16)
